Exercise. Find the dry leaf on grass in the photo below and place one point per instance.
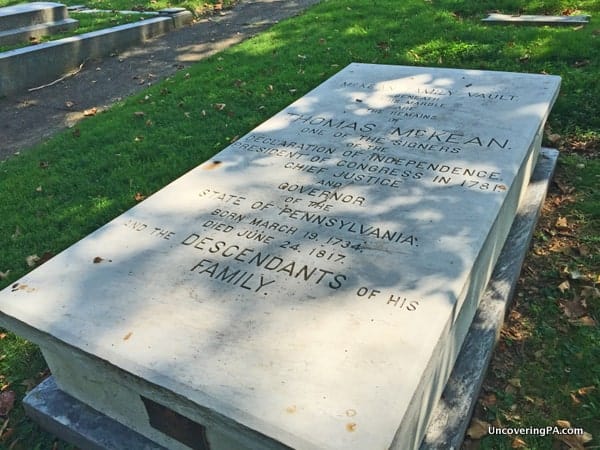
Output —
(4, 275)
(561, 223)
(515, 382)
(573, 309)
(478, 429)
(518, 443)
(138, 197)
(32, 260)
(564, 286)
(90, 112)
(590, 293)
(575, 441)
(585, 321)
(586, 390)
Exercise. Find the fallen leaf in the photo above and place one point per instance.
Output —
(32, 260)
(573, 309)
(7, 401)
(517, 442)
(4, 275)
(564, 286)
(138, 197)
(97, 260)
(575, 441)
(44, 164)
(90, 112)
(139, 114)
(69, 104)
(38, 189)
(590, 293)
(563, 187)
(515, 382)
(561, 223)
(554, 138)
(574, 400)
(585, 321)
(127, 336)
(563, 423)
(586, 390)
(219, 106)
(477, 429)
(489, 400)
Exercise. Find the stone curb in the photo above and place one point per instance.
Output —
(29, 67)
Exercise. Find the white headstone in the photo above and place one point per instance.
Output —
(313, 282)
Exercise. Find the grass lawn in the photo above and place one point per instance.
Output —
(547, 365)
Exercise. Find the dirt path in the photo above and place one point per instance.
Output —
(30, 117)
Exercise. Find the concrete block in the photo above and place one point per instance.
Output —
(33, 66)
(25, 34)
(26, 14)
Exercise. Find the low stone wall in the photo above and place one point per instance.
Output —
(33, 66)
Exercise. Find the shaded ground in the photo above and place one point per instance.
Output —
(30, 117)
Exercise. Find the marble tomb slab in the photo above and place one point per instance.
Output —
(308, 287)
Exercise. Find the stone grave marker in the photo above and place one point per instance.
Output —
(308, 287)
(519, 19)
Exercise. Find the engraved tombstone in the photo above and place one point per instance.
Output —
(309, 286)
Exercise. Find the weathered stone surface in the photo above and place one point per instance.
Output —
(25, 14)
(311, 285)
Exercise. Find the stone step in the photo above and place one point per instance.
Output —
(27, 14)
(27, 33)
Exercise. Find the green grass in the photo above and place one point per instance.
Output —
(60, 191)
(88, 22)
